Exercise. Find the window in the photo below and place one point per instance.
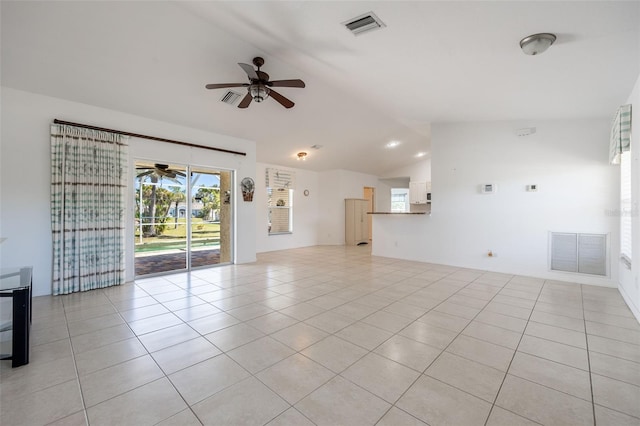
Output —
(280, 185)
(280, 203)
(399, 200)
(626, 210)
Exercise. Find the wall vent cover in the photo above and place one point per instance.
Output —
(364, 23)
(230, 97)
(578, 253)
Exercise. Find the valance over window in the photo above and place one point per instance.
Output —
(276, 179)
(620, 134)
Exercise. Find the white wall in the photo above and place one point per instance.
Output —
(577, 186)
(335, 186)
(628, 284)
(25, 174)
(306, 213)
(417, 172)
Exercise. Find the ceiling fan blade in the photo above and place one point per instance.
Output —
(179, 173)
(244, 103)
(224, 85)
(143, 174)
(287, 103)
(250, 71)
(287, 83)
(163, 172)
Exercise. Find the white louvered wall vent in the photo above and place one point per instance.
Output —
(579, 253)
(364, 23)
(230, 97)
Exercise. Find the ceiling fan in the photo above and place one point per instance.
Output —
(160, 170)
(260, 87)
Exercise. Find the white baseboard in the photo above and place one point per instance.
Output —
(629, 303)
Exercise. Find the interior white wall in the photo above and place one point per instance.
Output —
(335, 186)
(25, 174)
(629, 279)
(306, 214)
(417, 172)
(567, 159)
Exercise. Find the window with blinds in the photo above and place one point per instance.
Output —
(626, 208)
(280, 185)
(280, 210)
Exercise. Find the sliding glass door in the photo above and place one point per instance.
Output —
(183, 217)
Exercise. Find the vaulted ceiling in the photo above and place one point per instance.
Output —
(433, 62)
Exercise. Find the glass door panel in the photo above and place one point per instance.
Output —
(162, 218)
(210, 222)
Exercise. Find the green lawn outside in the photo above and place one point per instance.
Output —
(175, 237)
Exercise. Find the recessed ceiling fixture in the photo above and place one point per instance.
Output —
(364, 23)
(421, 154)
(392, 144)
(302, 156)
(537, 43)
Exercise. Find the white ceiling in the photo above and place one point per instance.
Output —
(434, 62)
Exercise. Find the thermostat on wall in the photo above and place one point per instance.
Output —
(488, 188)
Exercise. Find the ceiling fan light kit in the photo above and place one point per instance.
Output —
(302, 156)
(260, 87)
(536, 44)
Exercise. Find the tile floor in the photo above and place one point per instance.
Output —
(330, 336)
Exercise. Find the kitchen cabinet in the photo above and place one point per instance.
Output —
(418, 192)
(356, 223)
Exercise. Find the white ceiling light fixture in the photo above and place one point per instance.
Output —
(536, 44)
(302, 156)
(420, 154)
(392, 144)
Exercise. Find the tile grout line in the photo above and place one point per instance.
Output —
(75, 367)
(586, 338)
(445, 348)
(164, 374)
(512, 358)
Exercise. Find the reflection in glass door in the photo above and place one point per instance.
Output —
(183, 217)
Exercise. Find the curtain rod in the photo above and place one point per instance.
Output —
(153, 138)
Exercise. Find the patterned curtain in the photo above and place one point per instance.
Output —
(87, 208)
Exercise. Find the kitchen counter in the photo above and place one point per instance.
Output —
(396, 212)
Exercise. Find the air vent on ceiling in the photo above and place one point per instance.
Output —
(230, 97)
(364, 23)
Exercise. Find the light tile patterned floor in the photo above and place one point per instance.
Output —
(330, 336)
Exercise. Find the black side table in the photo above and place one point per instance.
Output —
(16, 283)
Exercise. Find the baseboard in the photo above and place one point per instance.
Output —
(629, 302)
